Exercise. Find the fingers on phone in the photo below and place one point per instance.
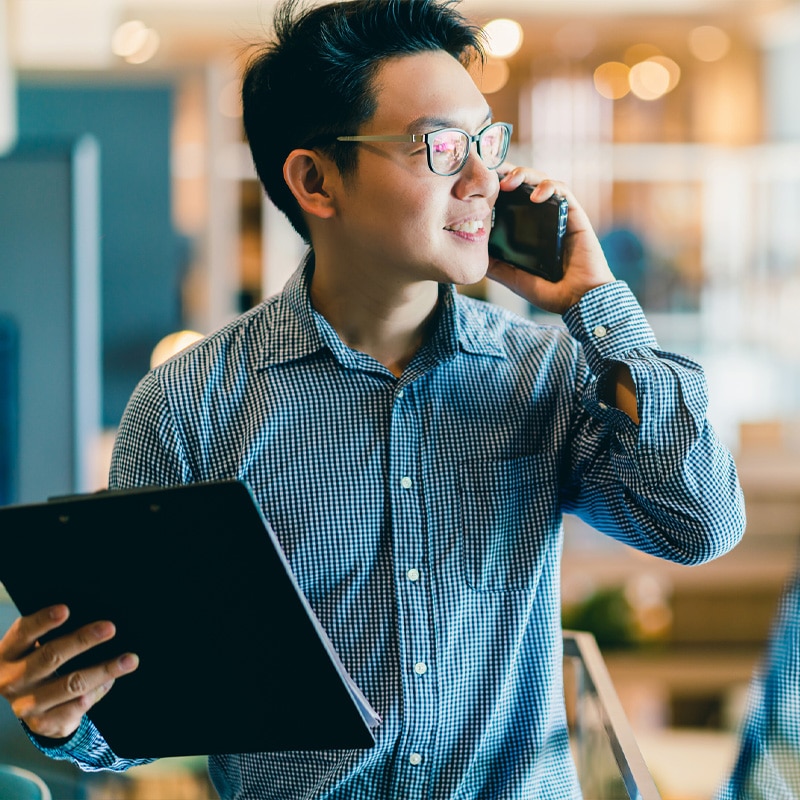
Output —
(546, 189)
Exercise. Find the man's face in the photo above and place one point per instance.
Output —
(396, 214)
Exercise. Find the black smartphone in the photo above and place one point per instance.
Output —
(530, 235)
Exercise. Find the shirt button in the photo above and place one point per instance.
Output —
(415, 759)
(406, 482)
(401, 393)
(420, 667)
(413, 575)
(603, 406)
(600, 331)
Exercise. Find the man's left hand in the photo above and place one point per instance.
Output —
(585, 265)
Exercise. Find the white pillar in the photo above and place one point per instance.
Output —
(780, 37)
(281, 248)
(8, 90)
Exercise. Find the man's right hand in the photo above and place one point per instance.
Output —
(52, 705)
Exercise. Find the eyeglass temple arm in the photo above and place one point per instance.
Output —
(411, 137)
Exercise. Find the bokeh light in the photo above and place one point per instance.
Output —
(503, 37)
(709, 43)
(671, 67)
(640, 52)
(611, 80)
(171, 345)
(494, 76)
(128, 38)
(135, 42)
(649, 80)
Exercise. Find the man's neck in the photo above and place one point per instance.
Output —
(373, 314)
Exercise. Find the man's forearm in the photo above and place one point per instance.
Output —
(623, 389)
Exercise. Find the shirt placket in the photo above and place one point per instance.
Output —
(414, 756)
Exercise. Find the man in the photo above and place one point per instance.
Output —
(413, 449)
(767, 766)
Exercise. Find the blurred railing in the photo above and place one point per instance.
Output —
(610, 765)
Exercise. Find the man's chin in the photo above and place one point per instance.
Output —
(471, 276)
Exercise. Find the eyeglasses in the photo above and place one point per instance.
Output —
(448, 148)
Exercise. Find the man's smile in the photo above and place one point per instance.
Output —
(467, 226)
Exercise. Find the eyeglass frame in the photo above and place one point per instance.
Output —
(426, 138)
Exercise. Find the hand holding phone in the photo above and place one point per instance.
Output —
(528, 235)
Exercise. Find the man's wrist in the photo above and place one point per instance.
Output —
(609, 323)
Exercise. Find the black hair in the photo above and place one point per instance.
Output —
(314, 81)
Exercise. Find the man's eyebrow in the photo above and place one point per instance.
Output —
(423, 124)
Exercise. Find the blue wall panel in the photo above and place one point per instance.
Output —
(141, 255)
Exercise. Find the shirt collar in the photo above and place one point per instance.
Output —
(292, 331)
(459, 327)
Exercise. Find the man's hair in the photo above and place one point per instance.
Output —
(314, 81)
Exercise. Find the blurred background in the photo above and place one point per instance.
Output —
(130, 212)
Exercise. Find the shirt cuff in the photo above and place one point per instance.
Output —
(82, 740)
(610, 325)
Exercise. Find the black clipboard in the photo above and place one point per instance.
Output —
(232, 657)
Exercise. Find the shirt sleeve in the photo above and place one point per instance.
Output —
(86, 748)
(666, 486)
(148, 451)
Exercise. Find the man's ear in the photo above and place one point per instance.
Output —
(309, 176)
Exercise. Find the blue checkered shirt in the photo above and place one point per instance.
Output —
(768, 762)
(422, 516)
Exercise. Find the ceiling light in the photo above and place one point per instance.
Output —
(503, 37)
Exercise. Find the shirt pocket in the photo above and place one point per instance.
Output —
(510, 513)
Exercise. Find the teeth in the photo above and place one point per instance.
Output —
(472, 226)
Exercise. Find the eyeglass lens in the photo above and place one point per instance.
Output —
(450, 149)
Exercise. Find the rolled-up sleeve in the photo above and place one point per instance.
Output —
(667, 486)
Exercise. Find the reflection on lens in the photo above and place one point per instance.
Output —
(492, 145)
(448, 149)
